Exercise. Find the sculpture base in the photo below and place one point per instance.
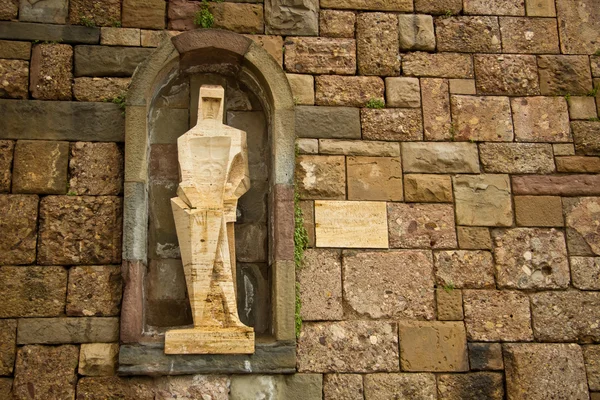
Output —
(210, 340)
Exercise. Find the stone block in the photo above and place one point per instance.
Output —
(50, 12)
(15, 50)
(272, 44)
(402, 92)
(313, 55)
(581, 217)
(292, 18)
(440, 65)
(464, 269)
(486, 356)
(99, 89)
(440, 157)
(162, 241)
(471, 386)
(591, 355)
(321, 177)
(108, 60)
(557, 185)
(538, 371)
(9, 9)
(251, 242)
(474, 238)
(94, 12)
(105, 387)
(587, 137)
(482, 118)
(374, 178)
(67, 330)
(6, 158)
(540, 8)
(351, 224)
(303, 88)
(517, 158)
(562, 75)
(426, 226)
(353, 91)
(292, 387)
(320, 282)
(151, 38)
(563, 149)
(577, 164)
(529, 35)
(14, 76)
(98, 359)
(348, 346)
(342, 386)
(483, 200)
(6, 387)
(393, 124)
(422, 188)
(359, 148)
(148, 14)
(416, 32)
(94, 291)
(384, 5)
(46, 372)
(449, 305)
(507, 75)
(462, 86)
(541, 119)
(308, 215)
(595, 64)
(438, 6)
(49, 32)
(90, 236)
(307, 146)
(494, 7)
(19, 227)
(213, 387)
(581, 107)
(420, 386)
(167, 124)
(437, 120)
(328, 122)
(370, 293)
(337, 24)
(497, 316)
(120, 37)
(40, 167)
(468, 34)
(96, 169)
(538, 211)
(585, 272)
(8, 346)
(579, 26)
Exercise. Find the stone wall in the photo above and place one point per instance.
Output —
(454, 232)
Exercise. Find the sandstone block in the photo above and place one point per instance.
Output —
(94, 291)
(320, 282)
(529, 35)
(517, 158)
(351, 224)
(591, 354)
(437, 120)
(8, 346)
(6, 387)
(394, 124)
(541, 119)
(359, 148)
(579, 27)
(303, 88)
(486, 356)
(181, 14)
(585, 272)
(595, 63)
(377, 44)
(449, 305)
(563, 149)
(14, 79)
(483, 200)
(538, 211)
(494, 7)
(94, 12)
(369, 292)
(468, 34)
(557, 185)
(328, 122)
(420, 386)
(307, 146)
(464, 269)
(217, 387)
(577, 164)
(587, 137)
(416, 32)
(98, 359)
(507, 75)
(120, 37)
(526, 380)
(348, 346)
(272, 44)
(338, 24)
(422, 188)
(313, 55)
(64, 33)
(96, 169)
(46, 372)
(581, 217)
(374, 178)
(471, 386)
(321, 177)
(343, 386)
(19, 225)
(144, 14)
(105, 387)
(438, 6)
(402, 92)
(99, 89)
(67, 330)
(479, 118)
(540, 8)
(150, 38)
(6, 159)
(15, 50)
(354, 91)
(108, 60)
(473, 238)
(428, 226)
(292, 18)
(383, 5)
(440, 157)
(9, 9)
(90, 236)
(562, 75)
(51, 12)
(497, 316)
(441, 65)
(582, 107)
(462, 86)
(40, 167)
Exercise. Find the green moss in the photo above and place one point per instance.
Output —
(375, 103)
(449, 287)
(300, 244)
(594, 91)
(85, 21)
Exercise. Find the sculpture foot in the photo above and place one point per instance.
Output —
(210, 340)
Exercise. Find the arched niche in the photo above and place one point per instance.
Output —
(162, 105)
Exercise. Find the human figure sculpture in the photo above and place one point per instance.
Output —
(214, 173)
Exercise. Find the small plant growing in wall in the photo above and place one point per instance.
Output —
(300, 244)
(85, 21)
(594, 91)
(375, 103)
(203, 17)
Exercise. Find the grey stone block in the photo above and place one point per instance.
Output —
(328, 122)
(67, 330)
(108, 60)
(46, 11)
(289, 387)
(47, 32)
(292, 17)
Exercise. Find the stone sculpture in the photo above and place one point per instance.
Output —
(214, 173)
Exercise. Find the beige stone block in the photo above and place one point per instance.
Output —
(320, 280)
(51, 72)
(428, 188)
(342, 386)
(462, 86)
(483, 200)
(238, 17)
(94, 291)
(394, 124)
(438, 6)
(538, 211)
(272, 44)
(98, 359)
(144, 13)
(468, 34)
(416, 32)
(15, 50)
(303, 88)
(150, 38)
(120, 36)
(581, 216)
(100, 89)
(581, 107)
(591, 354)
(377, 44)
(359, 148)
(419, 386)
(18, 243)
(334, 23)
(510, 75)
(384, 5)
(563, 149)
(517, 158)
(441, 65)
(587, 137)
(564, 74)
(374, 178)
(494, 7)
(307, 146)
(430, 157)
(351, 224)
(14, 75)
(482, 118)
(402, 92)
(321, 177)
(540, 8)
(8, 346)
(40, 166)
(421, 226)
(449, 304)
(578, 164)
(313, 55)
(529, 35)
(585, 272)
(579, 24)
(437, 120)
(541, 119)
(474, 238)
(354, 91)
(464, 269)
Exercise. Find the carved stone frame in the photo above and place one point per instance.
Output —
(140, 352)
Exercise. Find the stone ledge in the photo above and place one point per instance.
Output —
(48, 32)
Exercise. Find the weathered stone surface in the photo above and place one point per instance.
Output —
(314, 55)
(46, 372)
(374, 178)
(108, 61)
(213, 387)
(441, 65)
(474, 238)
(52, 11)
(449, 305)
(541, 119)
(582, 216)
(483, 200)
(49, 32)
(533, 371)
(402, 92)
(321, 177)
(8, 346)
(9, 9)
(354, 91)
(394, 124)
(416, 32)
(563, 149)
(99, 388)
(96, 169)
(538, 211)
(585, 272)
(351, 224)
(272, 44)
(379, 5)
(517, 158)
(462, 86)
(99, 89)
(529, 35)
(440, 157)
(587, 137)
(479, 118)
(540, 8)
(90, 236)
(562, 75)
(307, 146)
(328, 122)
(359, 148)
(308, 215)
(486, 356)
(506, 75)
(40, 167)
(94, 291)
(577, 164)
(428, 188)
(19, 227)
(293, 387)
(120, 37)
(339, 24)
(14, 79)
(15, 50)
(369, 292)
(494, 7)
(67, 330)
(438, 6)
(472, 386)
(343, 386)
(98, 359)
(320, 282)
(429, 226)
(595, 61)
(582, 107)
(468, 34)
(6, 387)
(557, 185)
(591, 354)
(6, 159)
(303, 88)
(464, 269)
(497, 316)
(437, 120)
(292, 18)
(579, 26)
(94, 12)
(144, 14)
(400, 386)
(348, 346)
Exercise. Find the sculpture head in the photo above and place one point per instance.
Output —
(210, 103)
